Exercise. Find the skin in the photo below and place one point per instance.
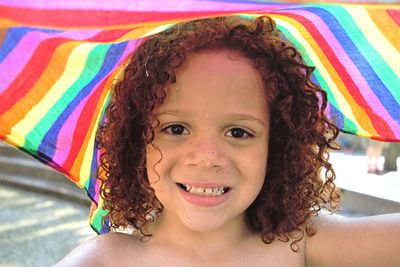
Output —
(216, 139)
(208, 137)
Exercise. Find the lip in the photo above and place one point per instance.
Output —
(204, 201)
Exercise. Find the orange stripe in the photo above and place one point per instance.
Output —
(3, 34)
(386, 25)
(361, 116)
(48, 78)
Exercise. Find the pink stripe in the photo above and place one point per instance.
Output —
(142, 5)
(17, 59)
(97, 186)
(64, 138)
(362, 84)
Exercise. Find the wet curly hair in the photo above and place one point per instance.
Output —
(299, 181)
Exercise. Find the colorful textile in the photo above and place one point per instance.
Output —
(59, 59)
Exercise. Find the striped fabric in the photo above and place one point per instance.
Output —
(59, 59)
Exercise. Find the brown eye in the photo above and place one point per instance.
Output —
(174, 129)
(239, 133)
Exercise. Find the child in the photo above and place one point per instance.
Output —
(215, 141)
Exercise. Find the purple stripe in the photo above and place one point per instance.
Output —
(18, 58)
(362, 85)
(143, 5)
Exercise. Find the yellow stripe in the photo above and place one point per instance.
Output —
(375, 37)
(143, 32)
(74, 67)
(386, 25)
(322, 68)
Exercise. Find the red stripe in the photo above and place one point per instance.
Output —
(84, 121)
(32, 71)
(95, 18)
(395, 14)
(109, 35)
(381, 127)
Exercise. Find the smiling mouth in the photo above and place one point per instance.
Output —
(215, 191)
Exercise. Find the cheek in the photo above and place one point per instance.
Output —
(257, 164)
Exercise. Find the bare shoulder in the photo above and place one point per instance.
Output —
(103, 250)
(364, 241)
(325, 219)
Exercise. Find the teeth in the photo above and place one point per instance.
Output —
(204, 191)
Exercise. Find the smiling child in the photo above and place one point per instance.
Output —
(216, 153)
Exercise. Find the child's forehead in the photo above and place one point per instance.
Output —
(227, 86)
(220, 68)
(212, 59)
(216, 75)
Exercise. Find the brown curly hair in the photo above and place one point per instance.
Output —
(300, 133)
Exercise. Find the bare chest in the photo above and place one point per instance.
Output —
(268, 256)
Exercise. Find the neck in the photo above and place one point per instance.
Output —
(227, 237)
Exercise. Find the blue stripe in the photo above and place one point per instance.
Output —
(105, 227)
(14, 36)
(336, 116)
(91, 182)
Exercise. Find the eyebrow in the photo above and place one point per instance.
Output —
(236, 117)
(245, 117)
(175, 112)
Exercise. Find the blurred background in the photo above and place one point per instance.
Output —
(43, 215)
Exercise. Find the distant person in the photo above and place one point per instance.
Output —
(391, 153)
(374, 152)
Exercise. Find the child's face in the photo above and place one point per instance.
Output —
(213, 136)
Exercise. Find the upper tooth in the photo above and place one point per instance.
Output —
(204, 191)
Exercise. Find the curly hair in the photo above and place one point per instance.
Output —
(299, 179)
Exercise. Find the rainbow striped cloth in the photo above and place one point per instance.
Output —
(59, 59)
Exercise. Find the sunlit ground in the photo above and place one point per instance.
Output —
(351, 171)
(37, 229)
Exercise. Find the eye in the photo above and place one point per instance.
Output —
(175, 129)
(239, 133)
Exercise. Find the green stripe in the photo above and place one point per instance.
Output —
(97, 219)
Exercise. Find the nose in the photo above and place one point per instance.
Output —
(206, 153)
